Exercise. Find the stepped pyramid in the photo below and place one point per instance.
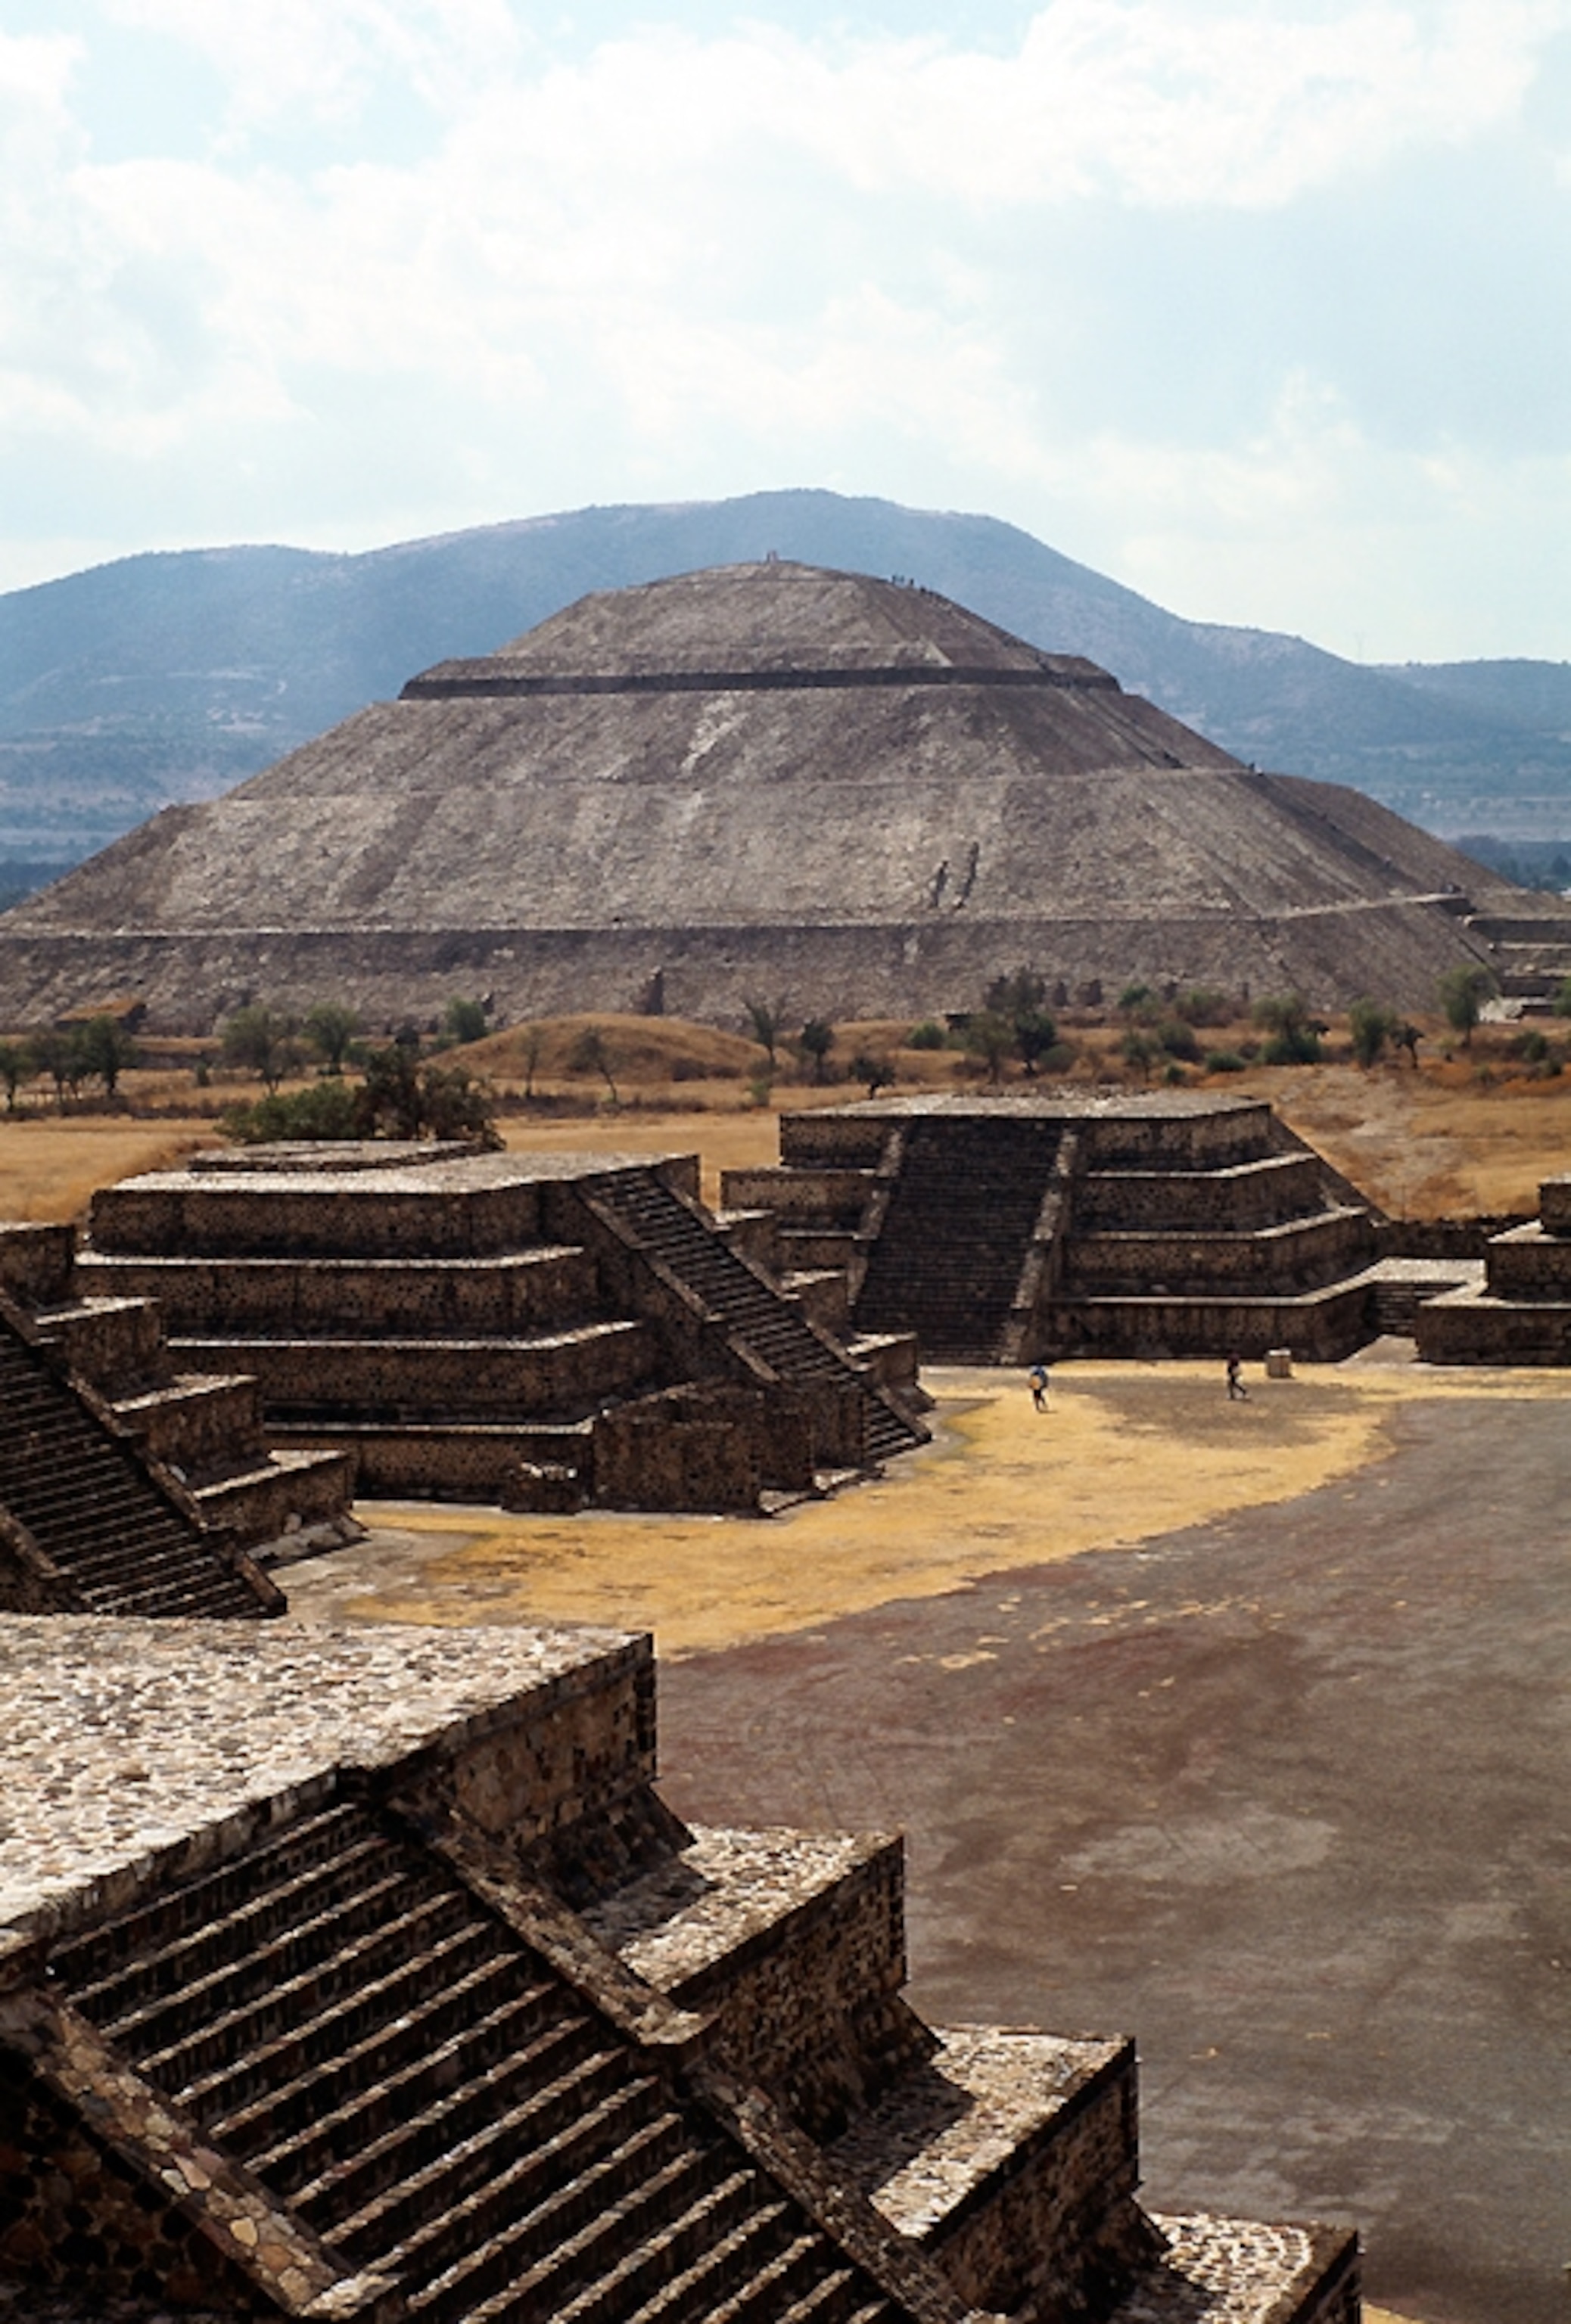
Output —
(545, 1331)
(383, 1987)
(764, 777)
(996, 1230)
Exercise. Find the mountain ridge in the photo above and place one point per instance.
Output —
(169, 677)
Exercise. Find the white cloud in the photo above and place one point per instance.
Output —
(692, 264)
(320, 58)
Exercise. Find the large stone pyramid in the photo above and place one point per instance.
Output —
(764, 777)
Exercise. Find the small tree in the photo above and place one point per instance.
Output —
(329, 1027)
(1139, 1049)
(877, 1072)
(533, 1042)
(103, 1050)
(261, 1041)
(399, 1098)
(463, 1021)
(1463, 990)
(1371, 1027)
(814, 1042)
(1295, 1034)
(55, 1054)
(991, 1038)
(591, 1054)
(767, 1019)
(18, 1065)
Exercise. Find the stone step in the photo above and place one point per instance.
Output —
(1219, 2271)
(535, 2224)
(497, 1293)
(461, 1379)
(336, 2151)
(274, 1862)
(429, 2167)
(314, 2018)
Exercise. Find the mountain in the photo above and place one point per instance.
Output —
(769, 778)
(169, 677)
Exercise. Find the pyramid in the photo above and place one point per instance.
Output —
(763, 778)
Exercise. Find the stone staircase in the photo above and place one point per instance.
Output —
(998, 1229)
(957, 1233)
(399, 1994)
(342, 2017)
(758, 1317)
(546, 1331)
(99, 1534)
(204, 1430)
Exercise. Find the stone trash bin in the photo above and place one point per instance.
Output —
(1279, 1363)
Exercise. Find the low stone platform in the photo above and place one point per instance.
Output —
(1519, 1312)
(429, 1311)
(1000, 1228)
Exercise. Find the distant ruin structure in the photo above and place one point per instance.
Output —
(763, 778)
(1520, 1313)
(548, 1332)
(1000, 1229)
(390, 1990)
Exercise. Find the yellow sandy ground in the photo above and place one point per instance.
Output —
(1127, 1453)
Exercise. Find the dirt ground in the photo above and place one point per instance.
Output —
(1195, 1717)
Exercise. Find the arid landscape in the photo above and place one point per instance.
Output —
(1464, 1132)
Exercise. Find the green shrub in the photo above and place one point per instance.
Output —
(1179, 1039)
(1223, 1061)
(927, 1036)
(325, 1109)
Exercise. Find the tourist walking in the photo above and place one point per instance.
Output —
(1038, 1377)
(1236, 1391)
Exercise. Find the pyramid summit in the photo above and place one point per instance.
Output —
(763, 776)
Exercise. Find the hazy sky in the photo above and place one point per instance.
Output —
(1262, 306)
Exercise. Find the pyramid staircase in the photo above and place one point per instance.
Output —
(200, 1429)
(1000, 1229)
(345, 2020)
(86, 1528)
(463, 2025)
(766, 1326)
(958, 1232)
(543, 1331)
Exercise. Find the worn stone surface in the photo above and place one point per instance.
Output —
(827, 782)
(124, 1740)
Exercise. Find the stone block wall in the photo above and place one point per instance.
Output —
(73, 2213)
(469, 1376)
(1261, 1192)
(573, 1750)
(36, 1260)
(822, 1139)
(117, 1344)
(1322, 1327)
(829, 1196)
(181, 1216)
(1308, 1251)
(808, 2006)
(1056, 2206)
(515, 1292)
(1529, 1263)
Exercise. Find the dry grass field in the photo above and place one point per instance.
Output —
(1461, 1134)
